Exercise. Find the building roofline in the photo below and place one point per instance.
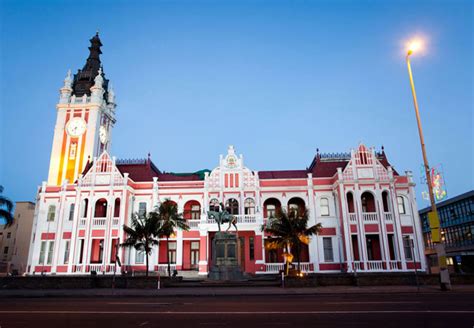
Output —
(449, 201)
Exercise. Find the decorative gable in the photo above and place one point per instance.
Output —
(102, 172)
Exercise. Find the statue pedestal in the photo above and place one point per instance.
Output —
(225, 263)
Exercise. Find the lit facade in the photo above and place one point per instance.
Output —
(367, 209)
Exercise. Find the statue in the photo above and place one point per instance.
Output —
(223, 217)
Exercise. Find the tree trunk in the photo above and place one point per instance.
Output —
(146, 254)
(168, 256)
(298, 251)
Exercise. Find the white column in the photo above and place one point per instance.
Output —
(179, 248)
(360, 227)
(383, 227)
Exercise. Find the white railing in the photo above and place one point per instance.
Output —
(388, 216)
(356, 266)
(375, 266)
(352, 217)
(193, 224)
(163, 268)
(245, 218)
(115, 221)
(96, 267)
(277, 267)
(370, 217)
(393, 265)
(274, 267)
(77, 268)
(99, 221)
(82, 222)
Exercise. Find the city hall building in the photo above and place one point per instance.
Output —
(367, 209)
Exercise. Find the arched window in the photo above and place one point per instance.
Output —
(51, 213)
(117, 208)
(296, 204)
(249, 205)
(385, 201)
(85, 206)
(350, 203)
(214, 205)
(271, 207)
(232, 206)
(192, 210)
(368, 202)
(401, 205)
(100, 208)
(324, 206)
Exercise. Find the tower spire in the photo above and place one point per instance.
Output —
(84, 79)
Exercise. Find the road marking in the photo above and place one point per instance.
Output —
(234, 312)
(401, 302)
(137, 303)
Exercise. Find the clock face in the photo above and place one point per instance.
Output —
(103, 135)
(76, 127)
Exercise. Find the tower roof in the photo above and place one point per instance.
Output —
(84, 78)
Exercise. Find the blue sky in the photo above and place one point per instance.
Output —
(277, 79)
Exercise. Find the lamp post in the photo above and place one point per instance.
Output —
(445, 282)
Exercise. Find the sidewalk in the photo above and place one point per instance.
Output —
(226, 291)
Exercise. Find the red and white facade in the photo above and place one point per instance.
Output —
(367, 210)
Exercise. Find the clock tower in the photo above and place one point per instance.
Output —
(85, 118)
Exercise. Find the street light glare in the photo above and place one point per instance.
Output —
(414, 46)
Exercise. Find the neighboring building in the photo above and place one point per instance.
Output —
(367, 209)
(15, 240)
(456, 216)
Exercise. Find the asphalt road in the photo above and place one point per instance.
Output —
(336, 310)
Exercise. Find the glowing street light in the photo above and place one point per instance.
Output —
(445, 283)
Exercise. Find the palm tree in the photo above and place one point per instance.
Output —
(6, 209)
(170, 220)
(289, 231)
(141, 235)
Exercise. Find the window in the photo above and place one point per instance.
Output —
(5, 250)
(172, 252)
(66, 252)
(328, 251)
(251, 248)
(85, 205)
(42, 252)
(97, 250)
(324, 204)
(113, 250)
(142, 209)
(271, 210)
(81, 250)
(195, 212)
(408, 247)
(100, 208)
(71, 212)
(50, 252)
(249, 205)
(232, 206)
(51, 213)
(117, 208)
(401, 205)
(9, 234)
(214, 205)
(139, 256)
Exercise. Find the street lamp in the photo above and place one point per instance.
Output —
(445, 282)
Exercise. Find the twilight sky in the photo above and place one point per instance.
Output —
(277, 79)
